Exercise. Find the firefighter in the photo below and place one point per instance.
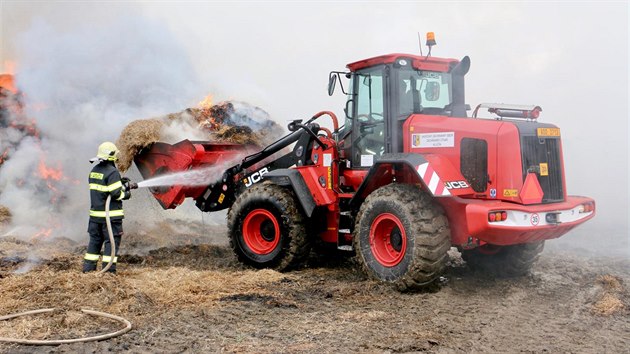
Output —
(105, 180)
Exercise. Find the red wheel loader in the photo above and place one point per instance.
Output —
(407, 176)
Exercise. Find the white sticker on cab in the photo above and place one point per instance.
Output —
(433, 140)
(367, 160)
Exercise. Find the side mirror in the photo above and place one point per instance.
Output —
(432, 91)
(332, 81)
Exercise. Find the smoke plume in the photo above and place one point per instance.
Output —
(82, 87)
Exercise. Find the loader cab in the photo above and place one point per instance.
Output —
(386, 90)
(366, 116)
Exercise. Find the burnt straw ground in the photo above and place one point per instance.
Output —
(192, 295)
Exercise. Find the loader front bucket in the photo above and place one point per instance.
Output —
(162, 159)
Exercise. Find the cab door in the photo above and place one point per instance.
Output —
(369, 112)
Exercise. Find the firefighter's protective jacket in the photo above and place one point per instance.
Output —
(105, 179)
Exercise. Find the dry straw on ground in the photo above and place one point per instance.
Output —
(608, 304)
(5, 215)
(610, 282)
(609, 301)
(135, 294)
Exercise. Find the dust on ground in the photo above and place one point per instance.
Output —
(189, 294)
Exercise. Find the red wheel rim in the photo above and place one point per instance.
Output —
(388, 240)
(261, 231)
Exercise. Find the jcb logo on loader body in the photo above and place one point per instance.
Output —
(255, 177)
(456, 184)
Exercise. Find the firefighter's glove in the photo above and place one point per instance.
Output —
(127, 187)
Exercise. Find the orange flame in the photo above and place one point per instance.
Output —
(54, 179)
(51, 176)
(49, 173)
(43, 233)
(7, 82)
(206, 103)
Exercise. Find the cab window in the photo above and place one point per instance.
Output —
(369, 133)
(423, 90)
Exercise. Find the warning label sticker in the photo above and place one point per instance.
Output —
(510, 193)
(433, 140)
(544, 169)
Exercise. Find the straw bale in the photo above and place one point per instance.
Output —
(220, 123)
(136, 136)
(237, 134)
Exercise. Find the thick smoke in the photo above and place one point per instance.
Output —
(82, 87)
(250, 116)
(176, 130)
(197, 123)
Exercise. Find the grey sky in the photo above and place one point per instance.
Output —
(571, 58)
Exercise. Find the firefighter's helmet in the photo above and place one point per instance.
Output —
(107, 151)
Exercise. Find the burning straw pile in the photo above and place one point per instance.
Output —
(230, 122)
(14, 127)
(14, 124)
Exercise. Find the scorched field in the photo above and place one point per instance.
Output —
(185, 292)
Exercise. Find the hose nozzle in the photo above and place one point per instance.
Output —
(128, 184)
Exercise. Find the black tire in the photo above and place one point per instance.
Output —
(267, 229)
(504, 261)
(409, 258)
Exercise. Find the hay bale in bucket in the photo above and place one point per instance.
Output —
(225, 122)
(136, 136)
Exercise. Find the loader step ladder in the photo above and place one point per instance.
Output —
(344, 240)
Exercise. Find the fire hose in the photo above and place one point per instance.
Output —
(128, 185)
(66, 341)
(127, 328)
(112, 242)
